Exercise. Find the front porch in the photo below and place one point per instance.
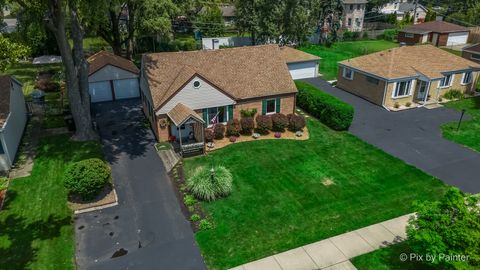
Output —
(186, 131)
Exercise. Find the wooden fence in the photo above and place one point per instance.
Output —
(474, 35)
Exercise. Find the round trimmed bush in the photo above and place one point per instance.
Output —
(218, 131)
(208, 135)
(279, 122)
(233, 128)
(296, 122)
(247, 124)
(264, 124)
(87, 177)
(210, 184)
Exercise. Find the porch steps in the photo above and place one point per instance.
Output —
(169, 158)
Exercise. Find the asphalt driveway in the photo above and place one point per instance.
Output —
(415, 137)
(148, 222)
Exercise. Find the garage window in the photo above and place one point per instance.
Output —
(467, 78)
(409, 35)
(347, 73)
(372, 80)
(402, 89)
(475, 56)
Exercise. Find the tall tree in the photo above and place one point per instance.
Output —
(210, 22)
(11, 52)
(329, 19)
(247, 16)
(61, 14)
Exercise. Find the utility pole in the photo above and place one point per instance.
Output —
(415, 12)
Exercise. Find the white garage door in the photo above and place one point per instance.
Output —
(100, 91)
(302, 70)
(457, 38)
(127, 88)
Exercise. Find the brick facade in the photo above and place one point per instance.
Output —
(361, 87)
(417, 38)
(287, 106)
(468, 56)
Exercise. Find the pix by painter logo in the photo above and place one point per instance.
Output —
(414, 257)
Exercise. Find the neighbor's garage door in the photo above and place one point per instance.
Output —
(457, 38)
(302, 70)
(100, 91)
(127, 88)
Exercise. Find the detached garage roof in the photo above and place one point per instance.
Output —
(473, 49)
(292, 55)
(436, 27)
(241, 73)
(410, 61)
(104, 58)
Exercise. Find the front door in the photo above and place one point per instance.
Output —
(422, 90)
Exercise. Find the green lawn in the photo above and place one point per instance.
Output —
(342, 51)
(36, 226)
(469, 133)
(26, 73)
(388, 259)
(279, 202)
(457, 53)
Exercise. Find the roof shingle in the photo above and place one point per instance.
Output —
(181, 113)
(292, 55)
(244, 72)
(409, 61)
(104, 58)
(436, 27)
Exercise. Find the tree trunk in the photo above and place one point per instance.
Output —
(131, 6)
(116, 42)
(76, 68)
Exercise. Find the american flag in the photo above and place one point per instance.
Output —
(215, 119)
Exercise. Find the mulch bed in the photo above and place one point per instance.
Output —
(177, 177)
(106, 196)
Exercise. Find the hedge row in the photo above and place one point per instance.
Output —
(331, 111)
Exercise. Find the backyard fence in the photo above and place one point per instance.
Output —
(474, 36)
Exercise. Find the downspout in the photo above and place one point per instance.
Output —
(384, 96)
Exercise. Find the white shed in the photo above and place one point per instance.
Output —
(112, 77)
(301, 65)
(13, 117)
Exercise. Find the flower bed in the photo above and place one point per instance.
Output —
(287, 135)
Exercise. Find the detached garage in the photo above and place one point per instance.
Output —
(112, 77)
(301, 65)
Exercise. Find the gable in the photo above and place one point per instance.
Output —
(205, 96)
(110, 72)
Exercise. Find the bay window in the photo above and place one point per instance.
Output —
(402, 89)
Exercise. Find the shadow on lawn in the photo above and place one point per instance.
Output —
(17, 236)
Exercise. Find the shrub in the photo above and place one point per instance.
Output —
(453, 94)
(278, 135)
(389, 34)
(87, 177)
(408, 104)
(47, 85)
(331, 111)
(247, 124)
(189, 200)
(264, 124)
(218, 131)
(195, 217)
(3, 183)
(209, 135)
(233, 128)
(296, 122)
(396, 105)
(205, 225)
(248, 113)
(279, 122)
(210, 184)
(232, 139)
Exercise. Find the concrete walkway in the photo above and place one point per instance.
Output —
(334, 253)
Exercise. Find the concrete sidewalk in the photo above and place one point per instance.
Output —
(334, 253)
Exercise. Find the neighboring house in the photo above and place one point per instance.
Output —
(301, 65)
(472, 53)
(183, 92)
(217, 42)
(404, 7)
(438, 33)
(228, 12)
(13, 117)
(411, 74)
(353, 14)
(112, 77)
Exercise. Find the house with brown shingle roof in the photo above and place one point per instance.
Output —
(111, 77)
(13, 117)
(214, 84)
(437, 33)
(407, 76)
(472, 53)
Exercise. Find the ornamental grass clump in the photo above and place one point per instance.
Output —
(210, 184)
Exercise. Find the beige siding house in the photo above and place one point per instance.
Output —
(408, 76)
(184, 92)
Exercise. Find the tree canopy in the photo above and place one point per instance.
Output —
(11, 52)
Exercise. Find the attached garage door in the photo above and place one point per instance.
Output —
(127, 88)
(302, 70)
(457, 38)
(100, 91)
